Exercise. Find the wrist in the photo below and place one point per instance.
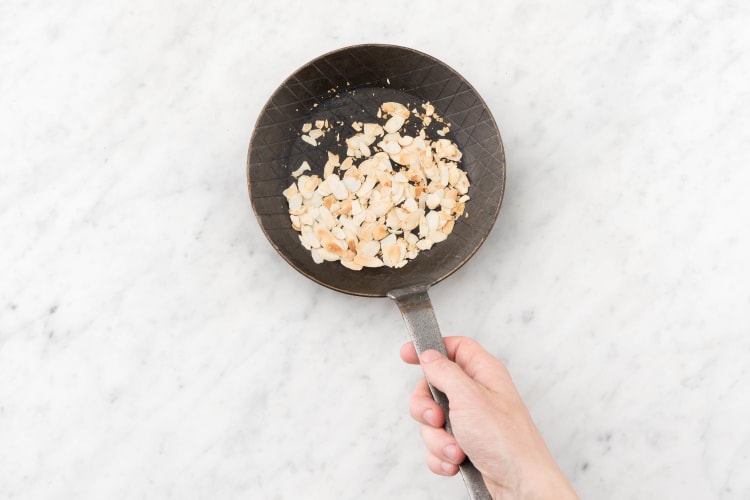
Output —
(552, 486)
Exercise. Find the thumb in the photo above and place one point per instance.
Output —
(444, 374)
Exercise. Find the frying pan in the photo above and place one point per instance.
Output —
(349, 85)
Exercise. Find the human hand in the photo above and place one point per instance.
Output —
(490, 423)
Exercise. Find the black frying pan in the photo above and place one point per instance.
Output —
(349, 85)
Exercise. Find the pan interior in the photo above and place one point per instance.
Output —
(350, 85)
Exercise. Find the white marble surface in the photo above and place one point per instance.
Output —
(154, 345)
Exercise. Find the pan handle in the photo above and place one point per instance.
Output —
(424, 331)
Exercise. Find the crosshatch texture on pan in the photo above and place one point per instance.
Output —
(377, 66)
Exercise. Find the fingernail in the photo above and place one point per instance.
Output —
(451, 451)
(430, 355)
(447, 468)
(429, 417)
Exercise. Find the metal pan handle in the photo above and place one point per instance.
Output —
(424, 331)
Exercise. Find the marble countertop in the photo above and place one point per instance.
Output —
(154, 345)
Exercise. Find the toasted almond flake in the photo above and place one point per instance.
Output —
(328, 170)
(463, 185)
(357, 126)
(309, 140)
(411, 205)
(326, 218)
(356, 206)
(368, 261)
(392, 220)
(309, 217)
(379, 232)
(290, 191)
(302, 168)
(315, 134)
(372, 130)
(411, 221)
(345, 208)
(351, 265)
(320, 124)
(424, 244)
(433, 219)
(328, 202)
(352, 184)
(395, 109)
(367, 186)
(336, 247)
(394, 124)
(437, 236)
(338, 188)
(296, 224)
(307, 185)
(391, 255)
(309, 239)
(400, 177)
(306, 128)
(368, 248)
(327, 255)
(295, 204)
(347, 163)
(433, 200)
(390, 147)
(322, 233)
(315, 252)
(405, 140)
(447, 203)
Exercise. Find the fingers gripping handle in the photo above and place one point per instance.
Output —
(424, 331)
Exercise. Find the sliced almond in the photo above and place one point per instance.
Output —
(290, 191)
(347, 163)
(295, 204)
(394, 124)
(351, 265)
(372, 130)
(338, 188)
(368, 248)
(391, 255)
(395, 109)
(379, 232)
(424, 244)
(368, 261)
(385, 205)
(302, 168)
(437, 236)
(315, 252)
